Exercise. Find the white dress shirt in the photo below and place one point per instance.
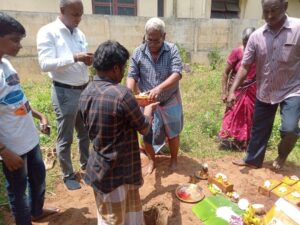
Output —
(56, 46)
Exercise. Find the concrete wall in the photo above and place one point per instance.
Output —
(197, 36)
(39, 5)
(250, 9)
(294, 8)
(191, 8)
(147, 8)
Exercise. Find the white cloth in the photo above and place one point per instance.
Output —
(56, 46)
(17, 129)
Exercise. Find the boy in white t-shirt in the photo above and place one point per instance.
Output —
(23, 165)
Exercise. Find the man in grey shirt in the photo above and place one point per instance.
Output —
(275, 48)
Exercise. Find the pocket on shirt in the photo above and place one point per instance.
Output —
(60, 43)
(288, 52)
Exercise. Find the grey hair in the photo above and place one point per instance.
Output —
(247, 32)
(155, 24)
(64, 3)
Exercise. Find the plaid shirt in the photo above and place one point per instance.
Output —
(150, 74)
(113, 118)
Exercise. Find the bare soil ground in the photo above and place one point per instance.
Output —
(157, 193)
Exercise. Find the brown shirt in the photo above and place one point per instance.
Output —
(113, 118)
(277, 58)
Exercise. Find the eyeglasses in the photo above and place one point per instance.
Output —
(154, 41)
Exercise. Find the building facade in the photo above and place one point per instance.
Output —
(222, 9)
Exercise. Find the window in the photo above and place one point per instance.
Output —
(115, 7)
(160, 8)
(225, 9)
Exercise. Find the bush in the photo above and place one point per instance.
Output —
(214, 58)
(185, 58)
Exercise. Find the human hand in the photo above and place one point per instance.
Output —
(86, 58)
(224, 97)
(11, 160)
(154, 93)
(149, 109)
(44, 125)
(230, 100)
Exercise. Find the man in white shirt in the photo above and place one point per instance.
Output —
(62, 53)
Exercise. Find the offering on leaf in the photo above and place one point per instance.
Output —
(143, 99)
(234, 196)
(249, 217)
(259, 209)
(243, 204)
(189, 193)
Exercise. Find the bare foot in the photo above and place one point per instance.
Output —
(278, 163)
(173, 164)
(149, 168)
(46, 212)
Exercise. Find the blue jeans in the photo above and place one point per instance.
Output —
(264, 115)
(65, 102)
(32, 175)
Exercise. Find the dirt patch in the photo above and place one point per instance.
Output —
(159, 201)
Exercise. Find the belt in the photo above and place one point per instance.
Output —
(58, 84)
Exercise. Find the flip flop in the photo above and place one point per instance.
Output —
(46, 212)
(241, 162)
(72, 184)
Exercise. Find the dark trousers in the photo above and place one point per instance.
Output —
(264, 115)
(26, 187)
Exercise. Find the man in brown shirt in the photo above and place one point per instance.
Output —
(275, 48)
(113, 117)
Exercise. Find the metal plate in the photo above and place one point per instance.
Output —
(190, 193)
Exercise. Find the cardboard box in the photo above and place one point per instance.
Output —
(290, 180)
(294, 198)
(225, 186)
(282, 213)
(268, 186)
(296, 186)
(281, 191)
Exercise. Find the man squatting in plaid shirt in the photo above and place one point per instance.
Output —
(113, 117)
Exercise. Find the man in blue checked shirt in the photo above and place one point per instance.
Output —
(156, 67)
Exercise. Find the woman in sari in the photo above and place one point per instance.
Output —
(237, 120)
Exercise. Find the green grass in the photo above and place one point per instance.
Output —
(203, 112)
(3, 197)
